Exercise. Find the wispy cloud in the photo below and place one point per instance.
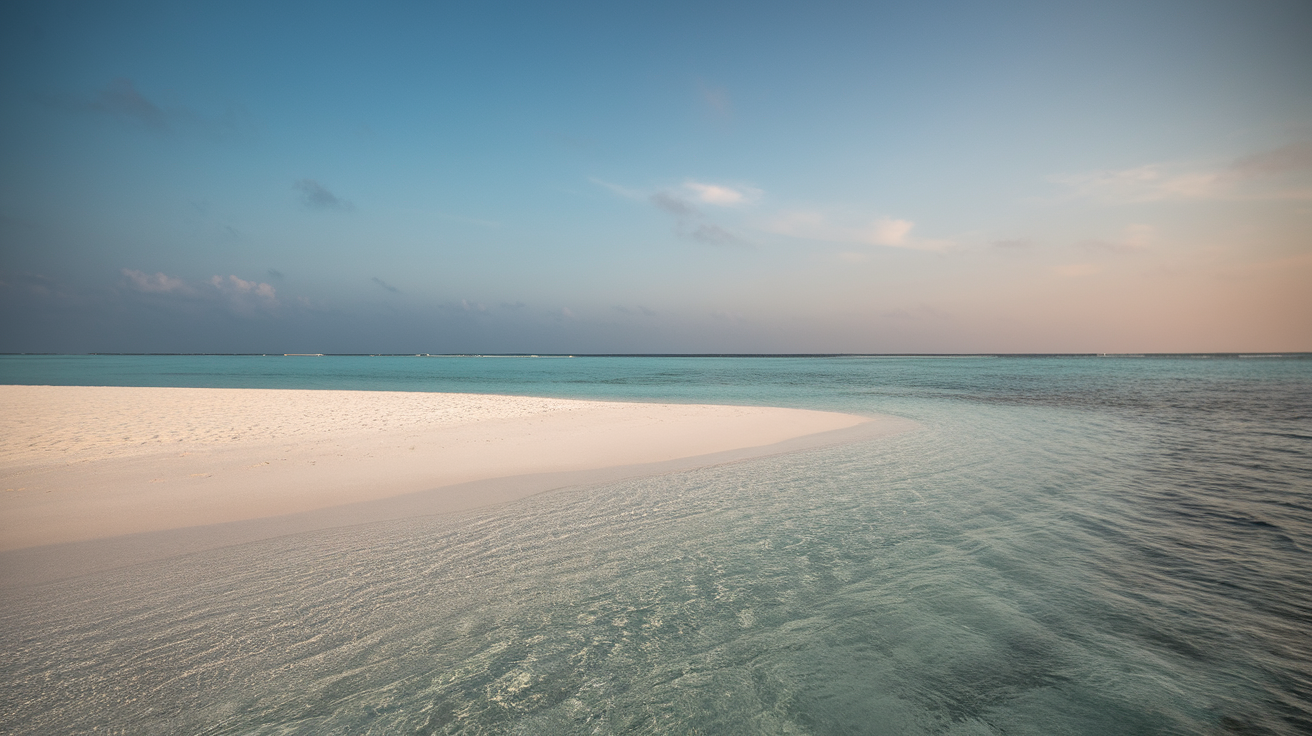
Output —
(33, 283)
(622, 191)
(680, 200)
(122, 98)
(674, 205)
(246, 298)
(886, 231)
(691, 222)
(1293, 158)
(720, 194)
(466, 310)
(1150, 183)
(239, 296)
(386, 285)
(1283, 173)
(1135, 238)
(715, 235)
(634, 310)
(690, 203)
(157, 283)
(315, 196)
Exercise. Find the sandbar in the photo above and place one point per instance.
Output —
(82, 463)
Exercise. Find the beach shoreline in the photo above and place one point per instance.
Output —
(172, 470)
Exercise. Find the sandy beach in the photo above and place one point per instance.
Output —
(89, 463)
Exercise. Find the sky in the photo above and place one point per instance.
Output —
(952, 177)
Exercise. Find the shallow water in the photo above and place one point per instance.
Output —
(1066, 545)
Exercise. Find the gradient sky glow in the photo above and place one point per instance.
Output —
(663, 177)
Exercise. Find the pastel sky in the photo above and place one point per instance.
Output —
(656, 177)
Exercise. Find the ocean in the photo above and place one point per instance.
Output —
(1064, 545)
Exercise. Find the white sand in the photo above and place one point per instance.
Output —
(83, 463)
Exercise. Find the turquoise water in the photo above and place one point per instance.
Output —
(1066, 545)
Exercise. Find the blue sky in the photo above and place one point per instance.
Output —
(954, 177)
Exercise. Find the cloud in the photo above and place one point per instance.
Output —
(234, 285)
(315, 196)
(1283, 173)
(674, 205)
(465, 309)
(241, 297)
(715, 235)
(245, 298)
(720, 195)
(691, 222)
(1136, 237)
(1151, 183)
(1295, 157)
(386, 285)
(685, 203)
(634, 310)
(34, 283)
(157, 283)
(122, 98)
(885, 231)
(624, 192)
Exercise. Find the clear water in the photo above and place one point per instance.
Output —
(1065, 546)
